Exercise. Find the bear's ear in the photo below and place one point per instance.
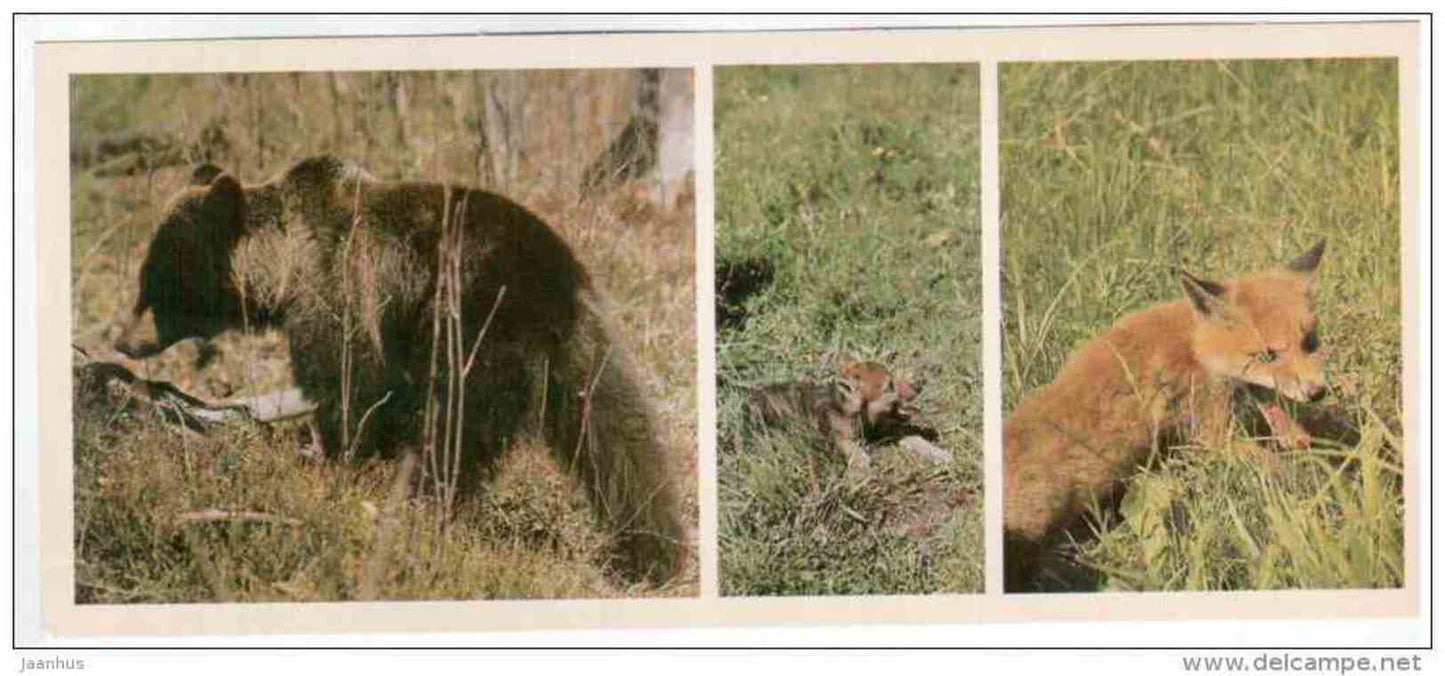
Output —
(225, 203)
(205, 173)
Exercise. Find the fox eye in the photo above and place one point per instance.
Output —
(1266, 357)
(1311, 342)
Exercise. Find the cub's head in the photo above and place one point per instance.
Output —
(186, 290)
(1261, 329)
(881, 398)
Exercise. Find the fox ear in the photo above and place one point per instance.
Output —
(1308, 261)
(1207, 297)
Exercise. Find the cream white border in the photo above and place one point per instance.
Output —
(992, 327)
(707, 550)
(54, 62)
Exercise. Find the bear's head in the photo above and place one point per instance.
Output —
(186, 287)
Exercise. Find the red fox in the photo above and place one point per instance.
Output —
(865, 403)
(1168, 371)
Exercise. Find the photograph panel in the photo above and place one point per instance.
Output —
(391, 335)
(1202, 325)
(848, 281)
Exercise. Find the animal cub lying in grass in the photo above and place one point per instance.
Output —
(1170, 372)
(864, 404)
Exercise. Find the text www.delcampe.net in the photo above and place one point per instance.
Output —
(1285, 663)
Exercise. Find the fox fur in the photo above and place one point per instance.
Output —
(1167, 372)
(864, 403)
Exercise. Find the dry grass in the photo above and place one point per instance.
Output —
(531, 533)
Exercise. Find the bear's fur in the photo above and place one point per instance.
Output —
(348, 268)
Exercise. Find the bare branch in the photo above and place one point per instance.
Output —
(361, 426)
(473, 356)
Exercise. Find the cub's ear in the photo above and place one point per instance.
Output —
(1308, 261)
(1207, 297)
(205, 173)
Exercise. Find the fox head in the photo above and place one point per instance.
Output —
(871, 390)
(1260, 329)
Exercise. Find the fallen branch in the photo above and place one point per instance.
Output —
(275, 406)
(114, 386)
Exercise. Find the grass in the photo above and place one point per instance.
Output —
(848, 225)
(1111, 173)
(531, 533)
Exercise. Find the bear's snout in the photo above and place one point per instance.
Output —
(134, 334)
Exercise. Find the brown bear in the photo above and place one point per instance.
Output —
(353, 271)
